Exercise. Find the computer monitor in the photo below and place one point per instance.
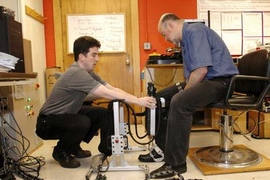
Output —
(191, 21)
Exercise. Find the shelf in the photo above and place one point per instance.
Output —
(11, 79)
(164, 65)
(32, 13)
(16, 76)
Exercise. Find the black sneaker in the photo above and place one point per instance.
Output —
(155, 155)
(167, 171)
(83, 154)
(65, 160)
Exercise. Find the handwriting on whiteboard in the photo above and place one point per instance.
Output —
(109, 29)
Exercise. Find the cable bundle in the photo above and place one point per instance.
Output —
(15, 160)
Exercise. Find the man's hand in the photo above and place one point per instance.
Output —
(148, 102)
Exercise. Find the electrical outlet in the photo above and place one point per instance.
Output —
(146, 46)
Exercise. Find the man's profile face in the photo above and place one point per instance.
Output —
(168, 32)
(90, 60)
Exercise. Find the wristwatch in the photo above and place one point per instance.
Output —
(179, 87)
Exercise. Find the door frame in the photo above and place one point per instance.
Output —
(134, 56)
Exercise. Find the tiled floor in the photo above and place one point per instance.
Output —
(52, 170)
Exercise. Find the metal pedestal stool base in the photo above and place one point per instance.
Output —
(225, 155)
(239, 157)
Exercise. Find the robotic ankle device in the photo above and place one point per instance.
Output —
(114, 145)
(114, 140)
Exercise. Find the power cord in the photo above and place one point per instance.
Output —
(16, 161)
(161, 85)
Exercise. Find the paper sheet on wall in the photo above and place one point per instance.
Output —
(215, 20)
(266, 24)
(231, 20)
(233, 40)
(252, 24)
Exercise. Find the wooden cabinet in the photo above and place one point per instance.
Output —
(12, 41)
(239, 118)
(204, 119)
(162, 75)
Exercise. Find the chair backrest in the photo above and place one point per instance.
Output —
(256, 63)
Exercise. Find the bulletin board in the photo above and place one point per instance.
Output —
(109, 29)
(242, 24)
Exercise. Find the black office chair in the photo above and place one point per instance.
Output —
(247, 91)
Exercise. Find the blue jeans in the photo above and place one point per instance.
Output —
(183, 105)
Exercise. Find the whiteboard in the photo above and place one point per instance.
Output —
(109, 29)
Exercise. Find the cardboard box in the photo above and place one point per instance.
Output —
(259, 124)
(27, 49)
(50, 79)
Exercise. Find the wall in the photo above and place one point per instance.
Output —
(149, 13)
(49, 33)
(14, 5)
(34, 31)
(243, 25)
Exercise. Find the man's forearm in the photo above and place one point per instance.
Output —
(196, 77)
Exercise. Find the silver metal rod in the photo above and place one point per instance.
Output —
(226, 133)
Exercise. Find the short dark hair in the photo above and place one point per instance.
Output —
(82, 45)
